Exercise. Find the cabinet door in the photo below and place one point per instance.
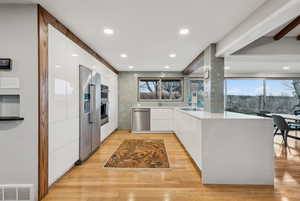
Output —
(161, 114)
(161, 125)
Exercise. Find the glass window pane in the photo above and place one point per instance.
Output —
(244, 96)
(171, 89)
(282, 96)
(245, 87)
(148, 89)
(197, 90)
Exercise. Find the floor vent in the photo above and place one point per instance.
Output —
(16, 192)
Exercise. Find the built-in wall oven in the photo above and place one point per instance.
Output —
(104, 104)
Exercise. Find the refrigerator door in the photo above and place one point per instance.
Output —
(85, 125)
(96, 112)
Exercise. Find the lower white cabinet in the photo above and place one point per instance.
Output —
(161, 125)
(161, 120)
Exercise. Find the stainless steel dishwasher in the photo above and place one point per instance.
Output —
(140, 119)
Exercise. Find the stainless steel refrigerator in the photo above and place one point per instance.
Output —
(89, 112)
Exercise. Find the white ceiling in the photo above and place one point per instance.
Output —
(266, 65)
(147, 31)
(269, 64)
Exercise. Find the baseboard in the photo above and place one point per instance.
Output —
(108, 136)
(60, 177)
(152, 132)
(68, 170)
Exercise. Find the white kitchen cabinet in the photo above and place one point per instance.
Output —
(229, 143)
(64, 60)
(161, 125)
(161, 113)
(161, 119)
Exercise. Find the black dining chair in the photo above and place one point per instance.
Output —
(281, 125)
(297, 112)
(284, 127)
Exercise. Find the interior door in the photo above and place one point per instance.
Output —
(96, 128)
(85, 78)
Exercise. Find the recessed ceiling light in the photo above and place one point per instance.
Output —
(167, 66)
(286, 67)
(227, 67)
(131, 67)
(172, 55)
(184, 31)
(108, 31)
(74, 55)
(123, 55)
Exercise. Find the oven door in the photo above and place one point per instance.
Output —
(104, 113)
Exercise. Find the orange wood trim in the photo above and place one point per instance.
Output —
(287, 29)
(43, 102)
(192, 67)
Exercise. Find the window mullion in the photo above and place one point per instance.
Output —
(160, 90)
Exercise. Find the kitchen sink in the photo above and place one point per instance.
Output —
(192, 109)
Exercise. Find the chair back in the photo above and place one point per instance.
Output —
(297, 112)
(280, 122)
(264, 113)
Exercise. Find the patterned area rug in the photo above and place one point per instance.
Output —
(135, 153)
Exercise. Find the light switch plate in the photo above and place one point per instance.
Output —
(9, 83)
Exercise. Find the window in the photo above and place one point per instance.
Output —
(196, 89)
(253, 96)
(148, 89)
(281, 96)
(160, 89)
(171, 89)
(244, 96)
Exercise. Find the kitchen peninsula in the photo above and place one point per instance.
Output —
(228, 148)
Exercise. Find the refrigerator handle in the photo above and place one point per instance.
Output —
(92, 91)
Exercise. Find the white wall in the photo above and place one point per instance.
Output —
(268, 46)
(64, 101)
(19, 140)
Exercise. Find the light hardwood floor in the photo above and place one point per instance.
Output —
(92, 182)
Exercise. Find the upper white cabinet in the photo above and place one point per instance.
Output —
(161, 119)
(64, 59)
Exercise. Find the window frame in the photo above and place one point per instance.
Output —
(159, 79)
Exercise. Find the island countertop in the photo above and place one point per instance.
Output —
(224, 115)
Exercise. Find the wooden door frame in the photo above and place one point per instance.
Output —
(44, 19)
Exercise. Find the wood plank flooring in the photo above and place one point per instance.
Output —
(92, 182)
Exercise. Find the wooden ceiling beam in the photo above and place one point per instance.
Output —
(287, 29)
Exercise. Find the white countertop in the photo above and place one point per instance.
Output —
(156, 107)
(225, 115)
(206, 115)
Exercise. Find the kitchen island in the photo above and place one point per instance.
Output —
(228, 148)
